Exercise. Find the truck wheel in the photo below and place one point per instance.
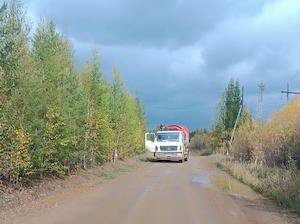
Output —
(187, 157)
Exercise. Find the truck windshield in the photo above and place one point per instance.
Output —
(168, 137)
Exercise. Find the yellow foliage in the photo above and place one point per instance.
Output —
(21, 156)
(202, 140)
(273, 142)
(16, 158)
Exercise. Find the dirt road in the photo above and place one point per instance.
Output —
(163, 192)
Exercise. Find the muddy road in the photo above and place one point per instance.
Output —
(163, 192)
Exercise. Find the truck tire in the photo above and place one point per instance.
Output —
(187, 157)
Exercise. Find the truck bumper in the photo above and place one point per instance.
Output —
(171, 156)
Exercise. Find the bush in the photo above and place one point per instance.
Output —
(279, 184)
(274, 143)
(206, 152)
(202, 140)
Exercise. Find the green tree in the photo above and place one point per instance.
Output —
(98, 131)
(128, 121)
(15, 66)
(57, 103)
(54, 118)
(232, 104)
(118, 102)
(13, 44)
(141, 125)
(131, 139)
(228, 110)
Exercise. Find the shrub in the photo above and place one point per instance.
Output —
(202, 140)
(206, 152)
(279, 184)
(274, 143)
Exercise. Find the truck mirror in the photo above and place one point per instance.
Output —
(150, 137)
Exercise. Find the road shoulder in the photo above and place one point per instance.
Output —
(48, 192)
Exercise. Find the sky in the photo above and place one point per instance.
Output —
(179, 55)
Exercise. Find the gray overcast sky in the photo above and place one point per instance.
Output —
(180, 54)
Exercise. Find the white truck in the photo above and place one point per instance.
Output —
(170, 143)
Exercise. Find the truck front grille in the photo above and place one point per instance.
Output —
(168, 148)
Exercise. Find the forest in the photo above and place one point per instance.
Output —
(56, 118)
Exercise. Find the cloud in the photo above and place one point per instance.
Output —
(179, 55)
(171, 23)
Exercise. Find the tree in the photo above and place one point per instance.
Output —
(232, 104)
(13, 44)
(228, 110)
(98, 131)
(15, 66)
(141, 125)
(55, 119)
(56, 107)
(117, 105)
(132, 138)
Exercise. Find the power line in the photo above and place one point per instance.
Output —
(290, 92)
(287, 91)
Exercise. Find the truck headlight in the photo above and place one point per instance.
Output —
(180, 148)
(156, 148)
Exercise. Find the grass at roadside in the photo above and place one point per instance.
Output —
(206, 152)
(281, 185)
(115, 171)
(203, 152)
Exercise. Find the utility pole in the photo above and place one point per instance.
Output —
(242, 99)
(288, 92)
(236, 121)
(261, 88)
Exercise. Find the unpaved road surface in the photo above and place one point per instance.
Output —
(163, 192)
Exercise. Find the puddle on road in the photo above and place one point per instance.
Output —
(203, 180)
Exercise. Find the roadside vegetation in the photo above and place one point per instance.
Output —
(270, 153)
(279, 184)
(117, 170)
(55, 118)
(263, 155)
(202, 141)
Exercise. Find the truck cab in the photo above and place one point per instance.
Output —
(167, 145)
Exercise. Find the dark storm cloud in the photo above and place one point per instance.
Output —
(179, 55)
(156, 23)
